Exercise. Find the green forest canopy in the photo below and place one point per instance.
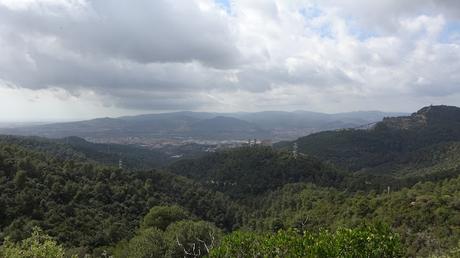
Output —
(254, 199)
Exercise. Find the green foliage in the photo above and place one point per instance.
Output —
(181, 238)
(162, 216)
(451, 253)
(84, 204)
(38, 245)
(20, 178)
(248, 171)
(392, 142)
(366, 241)
(427, 216)
(147, 243)
(78, 149)
(134, 157)
(191, 238)
(404, 172)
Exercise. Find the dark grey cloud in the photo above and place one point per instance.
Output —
(145, 32)
(157, 100)
(128, 51)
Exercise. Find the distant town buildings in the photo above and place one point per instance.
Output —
(267, 143)
(255, 142)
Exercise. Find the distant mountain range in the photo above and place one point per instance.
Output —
(274, 125)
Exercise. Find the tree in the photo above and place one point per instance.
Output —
(162, 216)
(149, 243)
(20, 178)
(191, 238)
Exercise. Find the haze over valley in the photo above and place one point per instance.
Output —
(195, 127)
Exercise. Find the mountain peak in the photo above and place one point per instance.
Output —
(439, 109)
(427, 116)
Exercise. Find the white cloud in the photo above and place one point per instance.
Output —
(297, 54)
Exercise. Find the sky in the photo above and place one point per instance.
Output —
(80, 59)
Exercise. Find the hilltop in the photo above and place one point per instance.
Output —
(431, 116)
(392, 141)
(250, 171)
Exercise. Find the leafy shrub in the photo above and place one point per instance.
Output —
(162, 216)
(149, 242)
(366, 241)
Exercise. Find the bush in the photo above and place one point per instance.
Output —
(366, 241)
(148, 243)
(162, 216)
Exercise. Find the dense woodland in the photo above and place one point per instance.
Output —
(84, 204)
(389, 191)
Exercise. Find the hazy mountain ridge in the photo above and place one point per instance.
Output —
(275, 125)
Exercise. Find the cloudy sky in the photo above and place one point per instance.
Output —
(75, 59)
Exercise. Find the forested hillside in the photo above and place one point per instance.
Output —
(132, 156)
(426, 216)
(389, 191)
(249, 171)
(417, 140)
(386, 141)
(84, 204)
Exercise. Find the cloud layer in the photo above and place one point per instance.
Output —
(249, 55)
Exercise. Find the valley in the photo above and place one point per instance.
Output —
(398, 179)
(157, 130)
